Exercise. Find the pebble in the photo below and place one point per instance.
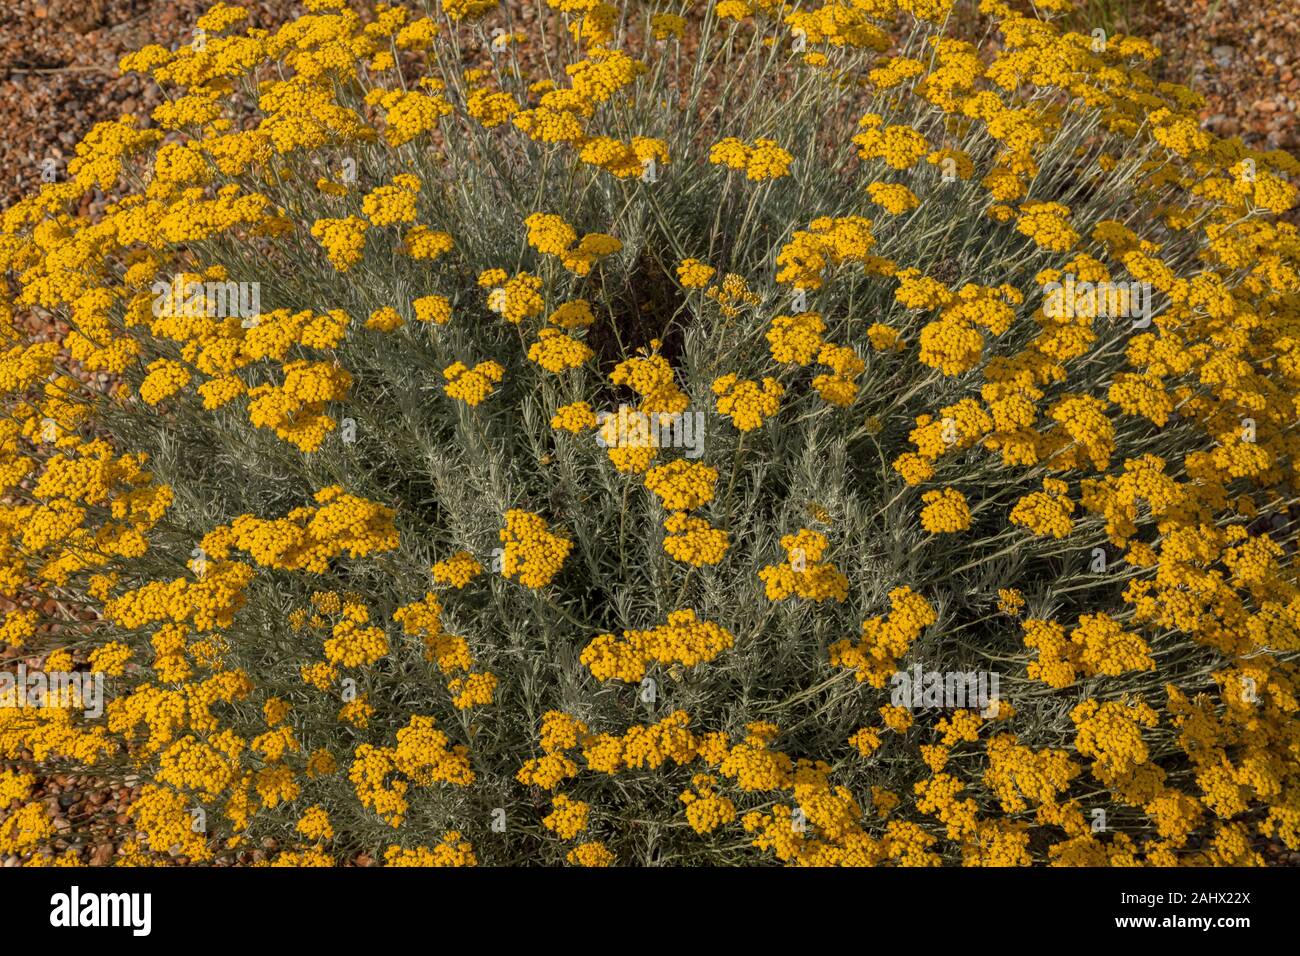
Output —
(101, 855)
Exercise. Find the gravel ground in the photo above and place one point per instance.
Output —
(58, 72)
(1244, 55)
(58, 76)
(58, 67)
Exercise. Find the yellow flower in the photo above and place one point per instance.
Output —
(665, 25)
(894, 198)
(693, 540)
(796, 339)
(590, 854)
(533, 553)
(574, 418)
(804, 574)
(683, 640)
(1047, 223)
(707, 810)
(344, 240)
(458, 570)
(827, 243)
(516, 298)
(557, 352)
(945, 511)
(694, 274)
(384, 320)
(1010, 601)
(764, 160)
(899, 146)
(681, 484)
(432, 308)
(314, 824)
(747, 403)
(1046, 512)
(473, 690)
(472, 385)
(572, 315)
(393, 203)
(551, 235)
(165, 379)
(568, 818)
(421, 242)
(491, 108)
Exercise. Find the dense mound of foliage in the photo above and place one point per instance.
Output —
(647, 434)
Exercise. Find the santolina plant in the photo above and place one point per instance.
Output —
(667, 433)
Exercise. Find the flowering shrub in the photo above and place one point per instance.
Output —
(642, 420)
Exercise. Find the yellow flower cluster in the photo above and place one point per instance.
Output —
(293, 410)
(468, 688)
(641, 157)
(682, 485)
(762, 161)
(453, 849)
(707, 810)
(894, 198)
(344, 240)
(386, 319)
(352, 645)
(1047, 223)
(421, 242)
(652, 378)
(1046, 512)
(572, 315)
(745, 402)
(899, 146)
(432, 308)
(804, 574)
(839, 385)
(552, 236)
(393, 203)
(884, 640)
(408, 113)
(307, 538)
(515, 297)
(557, 352)
(945, 512)
(825, 245)
(533, 553)
(382, 776)
(797, 338)
(1098, 645)
(472, 385)
(733, 295)
(693, 540)
(684, 640)
(694, 274)
(458, 570)
(591, 854)
(568, 818)
(492, 108)
(574, 418)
